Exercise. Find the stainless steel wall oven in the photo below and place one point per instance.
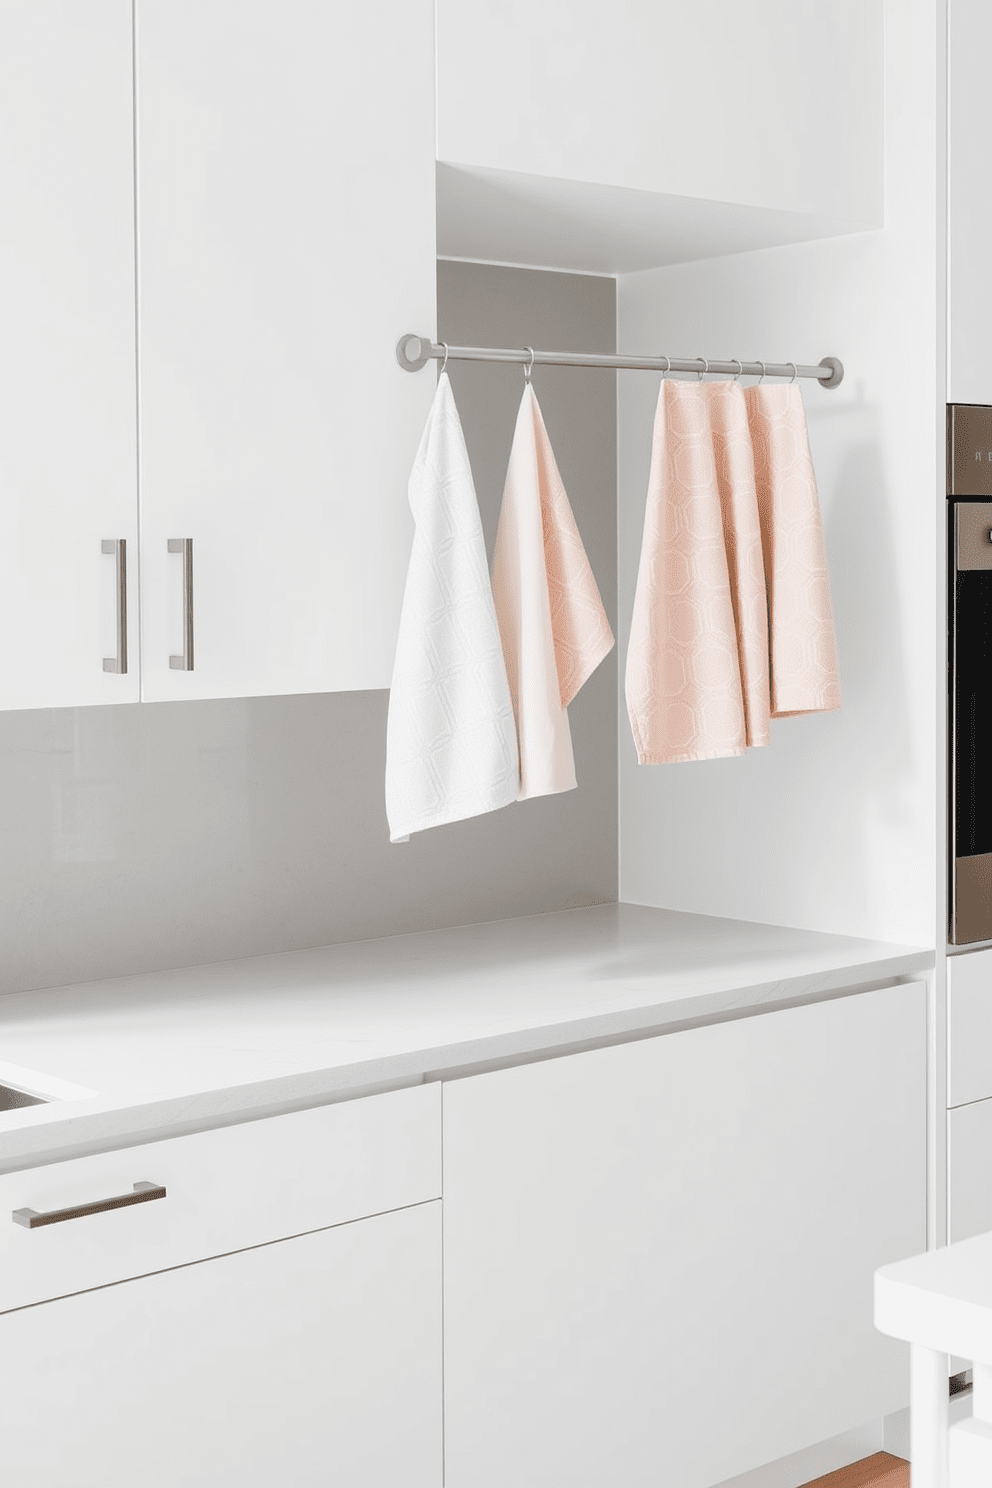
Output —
(969, 669)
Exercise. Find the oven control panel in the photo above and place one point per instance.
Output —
(969, 449)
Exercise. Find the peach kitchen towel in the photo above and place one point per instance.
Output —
(742, 539)
(451, 747)
(552, 623)
(805, 676)
(697, 664)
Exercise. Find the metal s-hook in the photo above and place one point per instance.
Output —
(445, 362)
(706, 368)
(668, 368)
(762, 377)
(530, 365)
(740, 364)
(795, 372)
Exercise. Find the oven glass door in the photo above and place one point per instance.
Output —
(971, 704)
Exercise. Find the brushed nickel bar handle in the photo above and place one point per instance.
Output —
(116, 547)
(184, 545)
(143, 1194)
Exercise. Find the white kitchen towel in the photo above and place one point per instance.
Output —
(451, 747)
(551, 619)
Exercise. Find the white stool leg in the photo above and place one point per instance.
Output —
(928, 1417)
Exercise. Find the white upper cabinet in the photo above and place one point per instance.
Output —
(756, 124)
(969, 206)
(285, 241)
(67, 406)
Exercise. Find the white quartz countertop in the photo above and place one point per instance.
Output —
(176, 1051)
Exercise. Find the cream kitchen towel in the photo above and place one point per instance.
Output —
(552, 623)
(697, 664)
(451, 748)
(805, 677)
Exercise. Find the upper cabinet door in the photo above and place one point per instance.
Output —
(619, 136)
(969, 209)
(67, 403)
(286, 240)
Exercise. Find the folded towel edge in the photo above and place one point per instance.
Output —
(402, 832)
(680, 759)
(600, 656)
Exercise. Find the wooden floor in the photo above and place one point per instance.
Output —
(880, 1471)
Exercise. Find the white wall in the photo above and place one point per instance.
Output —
(833, 826)
(654, 97)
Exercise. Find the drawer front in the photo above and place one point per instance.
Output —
(225, 1190)
(969, 1028)
(969, 1170)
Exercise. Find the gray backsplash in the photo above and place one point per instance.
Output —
(157, 835)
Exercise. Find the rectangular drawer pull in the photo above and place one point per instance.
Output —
(143, 1192)
(184, 547)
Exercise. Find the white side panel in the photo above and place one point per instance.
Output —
(67, 404)
(969, 225)
(312, 1361)
(286, 241)
(969, 1171)
(777, 105)
(659, 1256)
(835, 825)
(969, 1027)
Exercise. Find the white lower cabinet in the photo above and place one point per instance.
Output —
(262, 1311)
(315, 1360)
(969, 1094)
(657, 1270)
(969, 1170)
(658, 1256)
(969, 1028)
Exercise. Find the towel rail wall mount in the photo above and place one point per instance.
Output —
(414, 352)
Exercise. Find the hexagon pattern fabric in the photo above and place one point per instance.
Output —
(805, 677)
(732, 620)
(451, 744)
(551, 618)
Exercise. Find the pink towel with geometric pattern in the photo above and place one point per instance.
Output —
(697, 664)
(552, 624)
(805, 677)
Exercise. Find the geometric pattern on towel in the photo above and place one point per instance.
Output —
(699, 606)
(732, 619)
(579, 625)
(739, 505)
(552, 623)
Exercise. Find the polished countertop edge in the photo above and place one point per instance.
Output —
(39, 1135)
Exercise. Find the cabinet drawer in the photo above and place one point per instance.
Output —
(969, 1171)
(225, 1190)
(969, 1027)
